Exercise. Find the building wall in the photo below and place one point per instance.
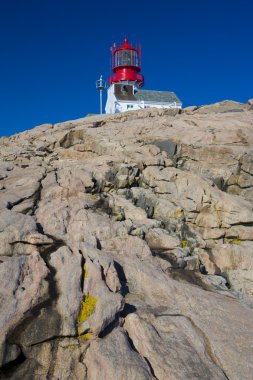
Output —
(111, 99)
(132, 106)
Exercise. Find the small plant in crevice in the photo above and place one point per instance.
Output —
(179, 213)
(184, 243)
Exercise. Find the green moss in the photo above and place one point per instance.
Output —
(87, 308)
(184, 243)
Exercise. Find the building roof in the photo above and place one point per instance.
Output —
(157, 96)
(125, 92)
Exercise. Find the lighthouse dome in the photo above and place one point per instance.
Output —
(126, 64)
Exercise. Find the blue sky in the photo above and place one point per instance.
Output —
(52, 52)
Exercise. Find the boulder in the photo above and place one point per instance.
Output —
(68, 268)
(160, 240)
(240, 280)
(250, 103)
(113, 358)
(233, 256)
(221, 107)
(19, 234)
(172, 346)
(169, 297)
(24, 286)
(99, 306)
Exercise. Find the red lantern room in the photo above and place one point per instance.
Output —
(126, 64)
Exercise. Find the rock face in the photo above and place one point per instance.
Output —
(126, 247)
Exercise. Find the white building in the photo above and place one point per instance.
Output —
(125, 96)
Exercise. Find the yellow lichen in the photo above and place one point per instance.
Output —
(85, 336)
(236, 241)
(233, 241)
(72, 346)
(184, 243)
(179, 213)
(93, 196)
(85, 272)
(117, 217)
(87, 308)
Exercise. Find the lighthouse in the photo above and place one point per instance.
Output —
(125, 92)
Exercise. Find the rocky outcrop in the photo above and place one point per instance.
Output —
(126, 246)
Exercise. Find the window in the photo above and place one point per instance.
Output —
(126, 58)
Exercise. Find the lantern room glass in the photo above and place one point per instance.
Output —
(126, 57)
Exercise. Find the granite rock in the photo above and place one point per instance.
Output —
(126, 246)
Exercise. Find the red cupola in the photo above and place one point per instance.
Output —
(126, 64)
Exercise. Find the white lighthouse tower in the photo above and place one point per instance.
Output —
(124, 92)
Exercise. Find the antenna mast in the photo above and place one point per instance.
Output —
(101, 85)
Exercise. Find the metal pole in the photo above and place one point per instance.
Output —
(101, 85)
(101, 101)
